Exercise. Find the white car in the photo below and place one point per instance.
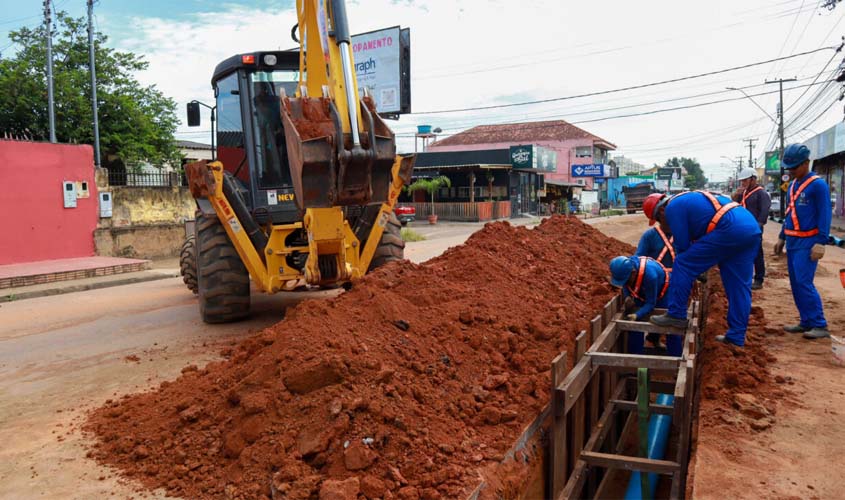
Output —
(774, 209)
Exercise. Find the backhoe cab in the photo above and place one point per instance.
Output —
(306, 174)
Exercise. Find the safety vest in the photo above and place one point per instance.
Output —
(720, 209)
(748, 194)
(635, 292)
(667, 245)
(796, 227)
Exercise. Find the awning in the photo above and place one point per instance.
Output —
(556, 182)
(470, 166)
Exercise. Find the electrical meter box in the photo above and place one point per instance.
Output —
(105, 204)
(69, 190)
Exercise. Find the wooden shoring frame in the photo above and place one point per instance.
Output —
(588, 400)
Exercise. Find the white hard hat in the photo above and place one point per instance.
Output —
(746, 173)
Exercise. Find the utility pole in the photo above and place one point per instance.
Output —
(736, 174)
(92, 68)
(780, 81)
(50, 112)
(750, 151)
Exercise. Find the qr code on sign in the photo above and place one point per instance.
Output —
(388, 98)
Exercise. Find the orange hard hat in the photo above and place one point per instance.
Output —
(650, 204)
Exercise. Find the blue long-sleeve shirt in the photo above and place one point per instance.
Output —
(651, 244)
(689, 214)
(654, 279)
(814, 211)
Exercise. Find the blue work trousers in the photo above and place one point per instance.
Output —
(760, 264)
(674, 343)
(734, 252)
(802, 270)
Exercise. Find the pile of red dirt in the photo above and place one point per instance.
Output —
(739, 392)
(407, 386)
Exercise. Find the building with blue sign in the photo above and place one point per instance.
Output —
(579, 156)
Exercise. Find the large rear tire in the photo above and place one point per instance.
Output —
(223, 280)
(392, 246)
(188, 263)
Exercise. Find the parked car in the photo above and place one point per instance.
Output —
(405, 214)
(774, 209)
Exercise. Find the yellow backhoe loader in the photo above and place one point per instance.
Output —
(306, 174)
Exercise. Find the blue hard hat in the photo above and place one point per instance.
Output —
(794, 155)
(620, 270)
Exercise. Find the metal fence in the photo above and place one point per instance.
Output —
(147, 179)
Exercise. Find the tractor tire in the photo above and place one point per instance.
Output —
(188, 263)
(223, 280)
(392, 246)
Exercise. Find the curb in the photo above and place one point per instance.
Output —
(14, 297)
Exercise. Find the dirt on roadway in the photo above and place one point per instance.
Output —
(800, 455)
(63, 355)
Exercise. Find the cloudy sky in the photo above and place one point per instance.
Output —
(482, 53)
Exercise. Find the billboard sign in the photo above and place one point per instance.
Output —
(383, 67)
(533, 157)
(588, 170)
(772, 162)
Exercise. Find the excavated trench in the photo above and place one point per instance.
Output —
(414, 384)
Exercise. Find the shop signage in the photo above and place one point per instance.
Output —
(772, 162)
(589, 170)
(533, 157)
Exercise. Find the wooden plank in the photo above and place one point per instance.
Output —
(645, 326)
(634, 360)
(580, 345)
(608, 460)
(660, 387)
(595, 329)
(654, 408)
(573, 385)
(598, 436)
(558, 459)
(606, 339)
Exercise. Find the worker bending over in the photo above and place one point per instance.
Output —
(709, 230)
(646, 281)
(756, 200)
(805, 232)
(656, 242)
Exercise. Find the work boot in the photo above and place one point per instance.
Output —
(817, 333)
(724, 339)
(666, 320)
(757, 285)
(795, 329)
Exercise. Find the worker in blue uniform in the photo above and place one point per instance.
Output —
(805, 231)
(656, 242)
(646, 281)
(709, 230)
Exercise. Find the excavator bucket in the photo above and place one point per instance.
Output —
(327, 169)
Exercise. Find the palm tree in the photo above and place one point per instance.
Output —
(431, 186)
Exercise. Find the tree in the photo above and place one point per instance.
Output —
(137, 123)
(431, 186)
(695, 178)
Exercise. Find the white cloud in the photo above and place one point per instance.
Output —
(468, 53)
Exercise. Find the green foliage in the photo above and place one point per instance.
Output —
(409, 234)
(431, 186)
(136, 122)
(695, 178)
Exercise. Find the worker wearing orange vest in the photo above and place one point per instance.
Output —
(756, 200)
(709, 230)
(646, 281)
(657, 243)
(805, 232)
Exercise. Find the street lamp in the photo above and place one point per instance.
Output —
(755, 103)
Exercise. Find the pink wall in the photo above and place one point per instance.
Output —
(36, 226)
(565, 155)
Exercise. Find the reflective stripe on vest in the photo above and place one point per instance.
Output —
(720, 209)
(667, 245)
(635, 292)
(790, 210)
(747, 195)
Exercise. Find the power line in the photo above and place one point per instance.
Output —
(623, 89)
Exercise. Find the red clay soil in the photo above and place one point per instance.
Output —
(408, 386)
(738, 394)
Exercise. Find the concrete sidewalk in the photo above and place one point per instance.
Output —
(43, 278)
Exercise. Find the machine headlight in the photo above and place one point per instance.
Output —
(270, 59)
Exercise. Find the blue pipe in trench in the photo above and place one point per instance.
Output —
(658, 437)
